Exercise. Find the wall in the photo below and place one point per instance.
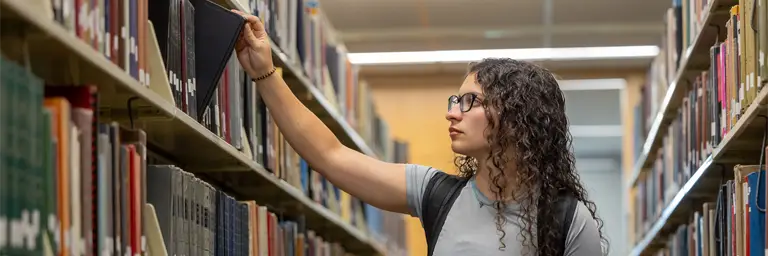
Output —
(630, 98)
(414, 108)
(602, 186)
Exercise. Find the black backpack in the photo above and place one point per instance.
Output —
(442, 191)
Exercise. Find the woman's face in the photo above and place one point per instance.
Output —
(468, 122)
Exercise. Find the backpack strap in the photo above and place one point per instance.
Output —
(439, 195)
(564, 210)
(568, 210)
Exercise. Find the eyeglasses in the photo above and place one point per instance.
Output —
(465, 101)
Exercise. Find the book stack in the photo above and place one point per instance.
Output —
(140, 112)
(698, 183)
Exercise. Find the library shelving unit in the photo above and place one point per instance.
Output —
(32, 36)
(700, 134)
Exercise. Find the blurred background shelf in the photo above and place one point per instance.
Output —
(692, 62)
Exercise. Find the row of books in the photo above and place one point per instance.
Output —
(74, 185)
(300, 30)
(732, 224)
(115, 28)
(235, 111)
(197, 219)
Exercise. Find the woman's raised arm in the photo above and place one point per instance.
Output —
(376, 182)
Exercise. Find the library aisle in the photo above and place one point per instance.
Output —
(129, 128)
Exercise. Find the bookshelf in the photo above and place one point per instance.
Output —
(175, 137)
(700, 125)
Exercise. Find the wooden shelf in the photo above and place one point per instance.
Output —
(692, 62)
(59, 57)
(742, 144)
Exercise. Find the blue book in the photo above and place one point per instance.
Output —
(756, 193)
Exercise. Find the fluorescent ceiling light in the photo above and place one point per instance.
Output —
(577, 53)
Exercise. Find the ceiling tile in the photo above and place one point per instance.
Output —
(356, 15)
(600, 11)
(487, 13)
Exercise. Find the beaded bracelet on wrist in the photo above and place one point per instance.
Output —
(268, 74)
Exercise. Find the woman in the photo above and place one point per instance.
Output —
(508, 121)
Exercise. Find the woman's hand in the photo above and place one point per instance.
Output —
(253, 49)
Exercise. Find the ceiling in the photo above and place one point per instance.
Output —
(422, 25)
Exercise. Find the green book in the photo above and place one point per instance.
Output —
(48, 159)
(5, 109)
(34, 173)
(23, 175)
(12, 82)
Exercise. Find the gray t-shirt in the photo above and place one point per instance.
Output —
(470, 229)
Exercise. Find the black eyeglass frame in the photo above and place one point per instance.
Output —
(457, 99)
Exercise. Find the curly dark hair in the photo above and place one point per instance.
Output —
(527, 128)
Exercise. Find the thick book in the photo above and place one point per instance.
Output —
(216, 32)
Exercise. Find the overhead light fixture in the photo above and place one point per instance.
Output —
(458, 56)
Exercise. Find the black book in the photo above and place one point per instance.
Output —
(216, 32)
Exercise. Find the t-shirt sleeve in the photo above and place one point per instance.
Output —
(416, 179)
(583, 236)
